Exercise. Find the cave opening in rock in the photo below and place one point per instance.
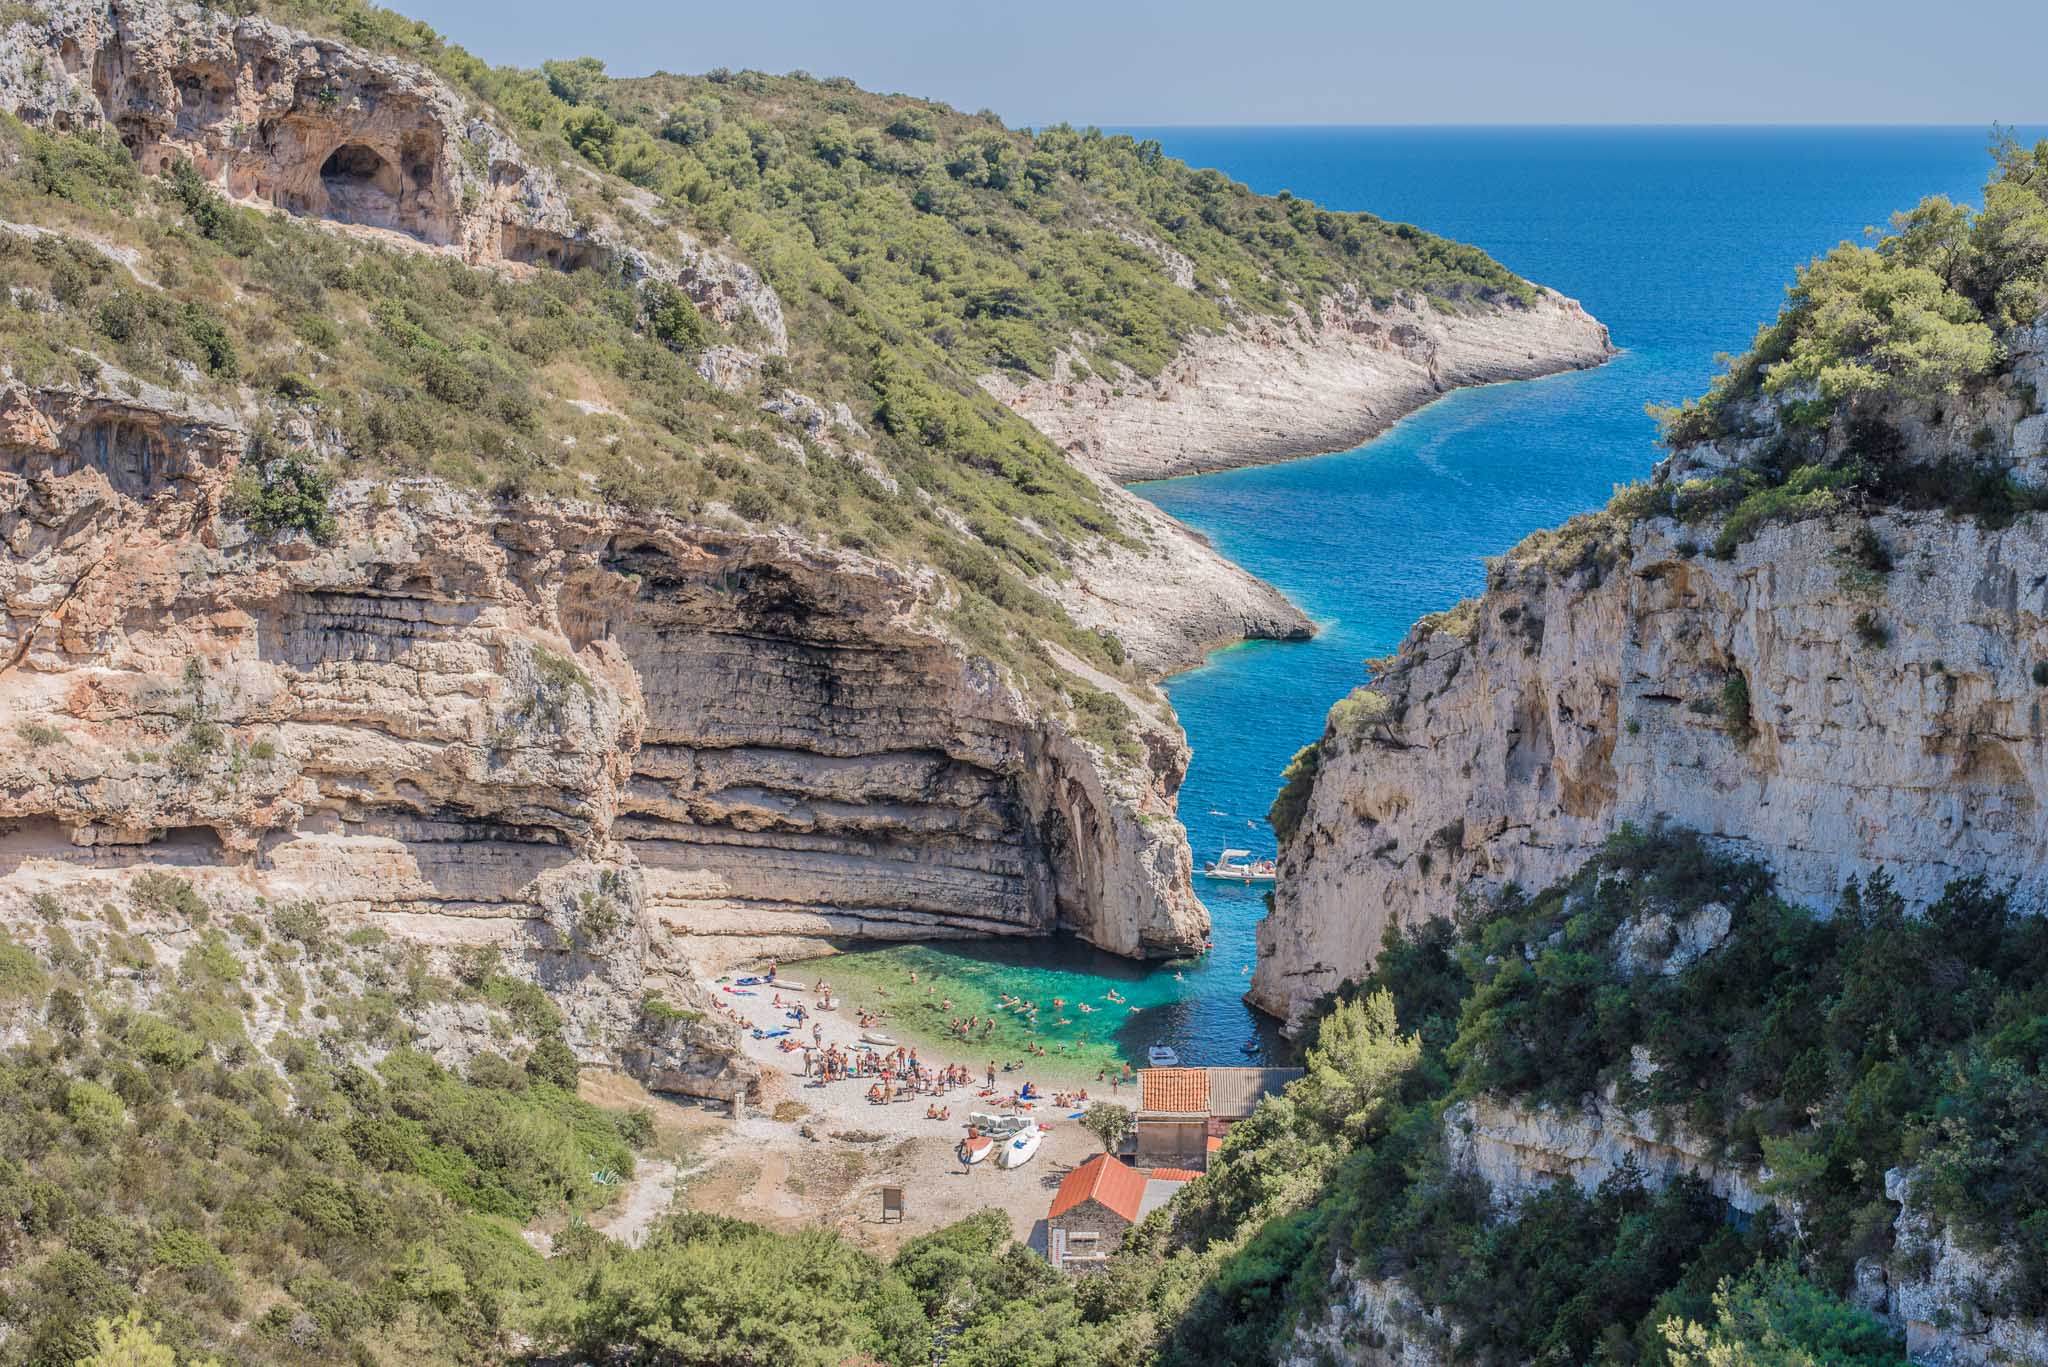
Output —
(361, 186)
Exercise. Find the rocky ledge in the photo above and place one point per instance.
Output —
(1272, 389)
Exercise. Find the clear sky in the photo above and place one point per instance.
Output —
(1333, 61)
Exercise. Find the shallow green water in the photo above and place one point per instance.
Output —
(973, 976)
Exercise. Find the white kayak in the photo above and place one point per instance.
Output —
(975, 1149)
(878, 1038)
(1020, 1149)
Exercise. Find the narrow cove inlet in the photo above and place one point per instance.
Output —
(691, 718)
(1678, 240)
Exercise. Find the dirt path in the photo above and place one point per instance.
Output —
(647, 1198)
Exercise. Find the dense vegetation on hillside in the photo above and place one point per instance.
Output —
(279, 1203)
(990, 244)
(302, 1207)
(1843, 401)
(400, 362)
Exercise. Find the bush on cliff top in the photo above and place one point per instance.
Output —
(1912, 319)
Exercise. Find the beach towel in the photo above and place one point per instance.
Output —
(737, 993)
(751, 982)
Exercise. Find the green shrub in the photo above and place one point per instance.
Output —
(1870, 631)
(280, 493)
(1735, 713)
(166, 894)
(1297, 782)
(553, 1063)
(21, 977)
(38, 735)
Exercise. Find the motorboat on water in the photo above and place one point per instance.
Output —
(1021, 1148)
(1238, 865)
(1162, 1057)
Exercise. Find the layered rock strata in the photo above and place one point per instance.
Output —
(608, 745)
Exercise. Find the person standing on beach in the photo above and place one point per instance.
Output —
(991, 1074)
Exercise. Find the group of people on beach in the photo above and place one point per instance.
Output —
(897, 1074)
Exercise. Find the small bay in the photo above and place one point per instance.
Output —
(1681, 240)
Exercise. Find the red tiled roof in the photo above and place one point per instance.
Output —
(1172, 1175)
(1102, 1178)
(1177, 1091)
(1215, 1142)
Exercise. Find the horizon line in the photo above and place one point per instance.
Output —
(1608, 125)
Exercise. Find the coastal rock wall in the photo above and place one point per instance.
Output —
(1272, 389)
(1890, 724)
(1948, 1298)
(608, 746)
(1167, 594)
(1837, 695)
(1372, 1322)
(1519, 1150)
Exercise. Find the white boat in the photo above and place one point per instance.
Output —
(1239, 866)
(1021, 1147)
(1001, 1126)
(1162, 1057)
(876, 1037)
(974, 1149)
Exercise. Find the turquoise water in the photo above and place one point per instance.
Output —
(1680, 240)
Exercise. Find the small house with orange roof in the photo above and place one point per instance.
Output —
(1183, 1113)
(1173, 1116)
(1097, 1204)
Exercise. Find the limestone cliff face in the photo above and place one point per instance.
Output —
(1946, 1295)
(1891, 721)
(1798, 702)
(325, 130)
(311, 126)
(612, 746)
(1271, 389)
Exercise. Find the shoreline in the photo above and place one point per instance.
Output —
(1272, 390)
(841, 1028)
(1351, 441)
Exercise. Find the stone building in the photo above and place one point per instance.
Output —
(1096, 1205)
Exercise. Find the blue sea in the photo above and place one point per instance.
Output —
(1681, 240)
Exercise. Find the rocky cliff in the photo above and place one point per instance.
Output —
(615, 747)
(311, 126)
(455, 703)
(1788, 699)
(1273, 388)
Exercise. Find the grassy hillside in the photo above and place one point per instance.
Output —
(914, 248)
(993, 244)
